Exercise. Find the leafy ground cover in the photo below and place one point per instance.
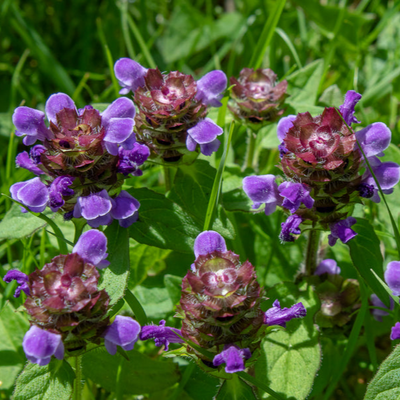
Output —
(322, 49)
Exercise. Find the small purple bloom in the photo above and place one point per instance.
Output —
(162, 335)
(124, 332)
(131, 160)
(377, 302)
(366, 190)
(279, 316)
(125, 209)
(33, 194)
(392, 277)
(347, 108)
(92, 247)
(55, 103)
(233, 357)
(30, 161)
(35, 152)
(327, 266)
(210, 88)
(284, 125)
(387, 174)
(95, 208)
(205, 134)
(395, 332)
(22, 280)
(30, 122)
(290, 227)
(208, 242)
(262, 189)
(374, 139)
(342, 230)
(130, 75)
(59, 188)
(39, 345)
(294, 194)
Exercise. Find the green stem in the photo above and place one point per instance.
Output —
(167, 178)
(79, 225)
(251, 146)
(78, 379)
(312, 251)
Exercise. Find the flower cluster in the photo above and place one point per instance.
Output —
(172, 111)
(256, 98)
(220, 308)
(323, 171)
(82, 161)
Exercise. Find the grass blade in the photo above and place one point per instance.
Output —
(136, 307)
(289, 43)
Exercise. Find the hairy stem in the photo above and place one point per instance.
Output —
(78, 379)
(312, 252)
(251, 146)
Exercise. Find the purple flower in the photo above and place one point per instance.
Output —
(290, 227)
(30, 122)
(284, 125)
(125, 209)
(262, 189)
(33, 194)
(374, 139)
(347, 108)
(162, 335)
(294, 194)
(395, 332)
(22, 280)
(233, 357)
(59, 188)
(130, 75)
(342, 230)
(55, 103)
(95, 208)
(392, 277)
(130, 160)
(32, 160)
(124, 332)
(92, 247)
(377, 302)
(207, 242)
(205, 134)
(387, 174)
(39, 345)
(327, 266)
(279, 316)
(210, 88)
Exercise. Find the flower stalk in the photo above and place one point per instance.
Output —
(312, 252)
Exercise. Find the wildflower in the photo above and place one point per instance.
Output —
(290, 227)
(172, 110)
(233, 356)
(392, 277)
(395, 332)
(162, 335)
(279, 316)
(22, 280)
(327, 266)
(342, 230)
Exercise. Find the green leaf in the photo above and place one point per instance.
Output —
(136, 307)
(201, 386)
(163, 223)
(16, 224)
(192, 190)
(386, 383)
(292, 355)
(235, 389)
(366, 254)
(115, 278)
(174, 286)
(303, 87)
(155, 301)
(13, 327)
(138, 376)
(53, 381)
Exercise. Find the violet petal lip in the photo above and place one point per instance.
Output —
(92, 247)
(374, 139)
(33, 194)
(207, 242)
(327, 266)
(22, 281)
(233, 357)
(163, 335)
(294, 194)
(280, 316)
(392, 277)
(205, 134)
(290, 227)
(55, 103)
(347, 108)
(284, 125)
(210, 88)
(342, 230)
(130, 74)
(395, 334)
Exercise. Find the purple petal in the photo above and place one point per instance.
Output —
(377, 302)
(92, 246)
(262, 189)
(279, 316)
(162, 335)
(40, 345)
(342, 230)
(347, 108)
(55, 103)
(289, 227)
(374, 138)
(59, 188)
(24, 161)
(208, 148)
(118, 130)
(210, 88)
(22, 280)
(102, 220)
(125, 206)
(205, 131)
(120, 108)
(395, 332)
(294, 194)
(233, 356)
(327, 266)
(130, 74)
(392, 277)
(284, 125)
(33, 193)
(124, 331)
(130, 160)
(208, 242)
(30, 122)
(93, 206)
(191, 144)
